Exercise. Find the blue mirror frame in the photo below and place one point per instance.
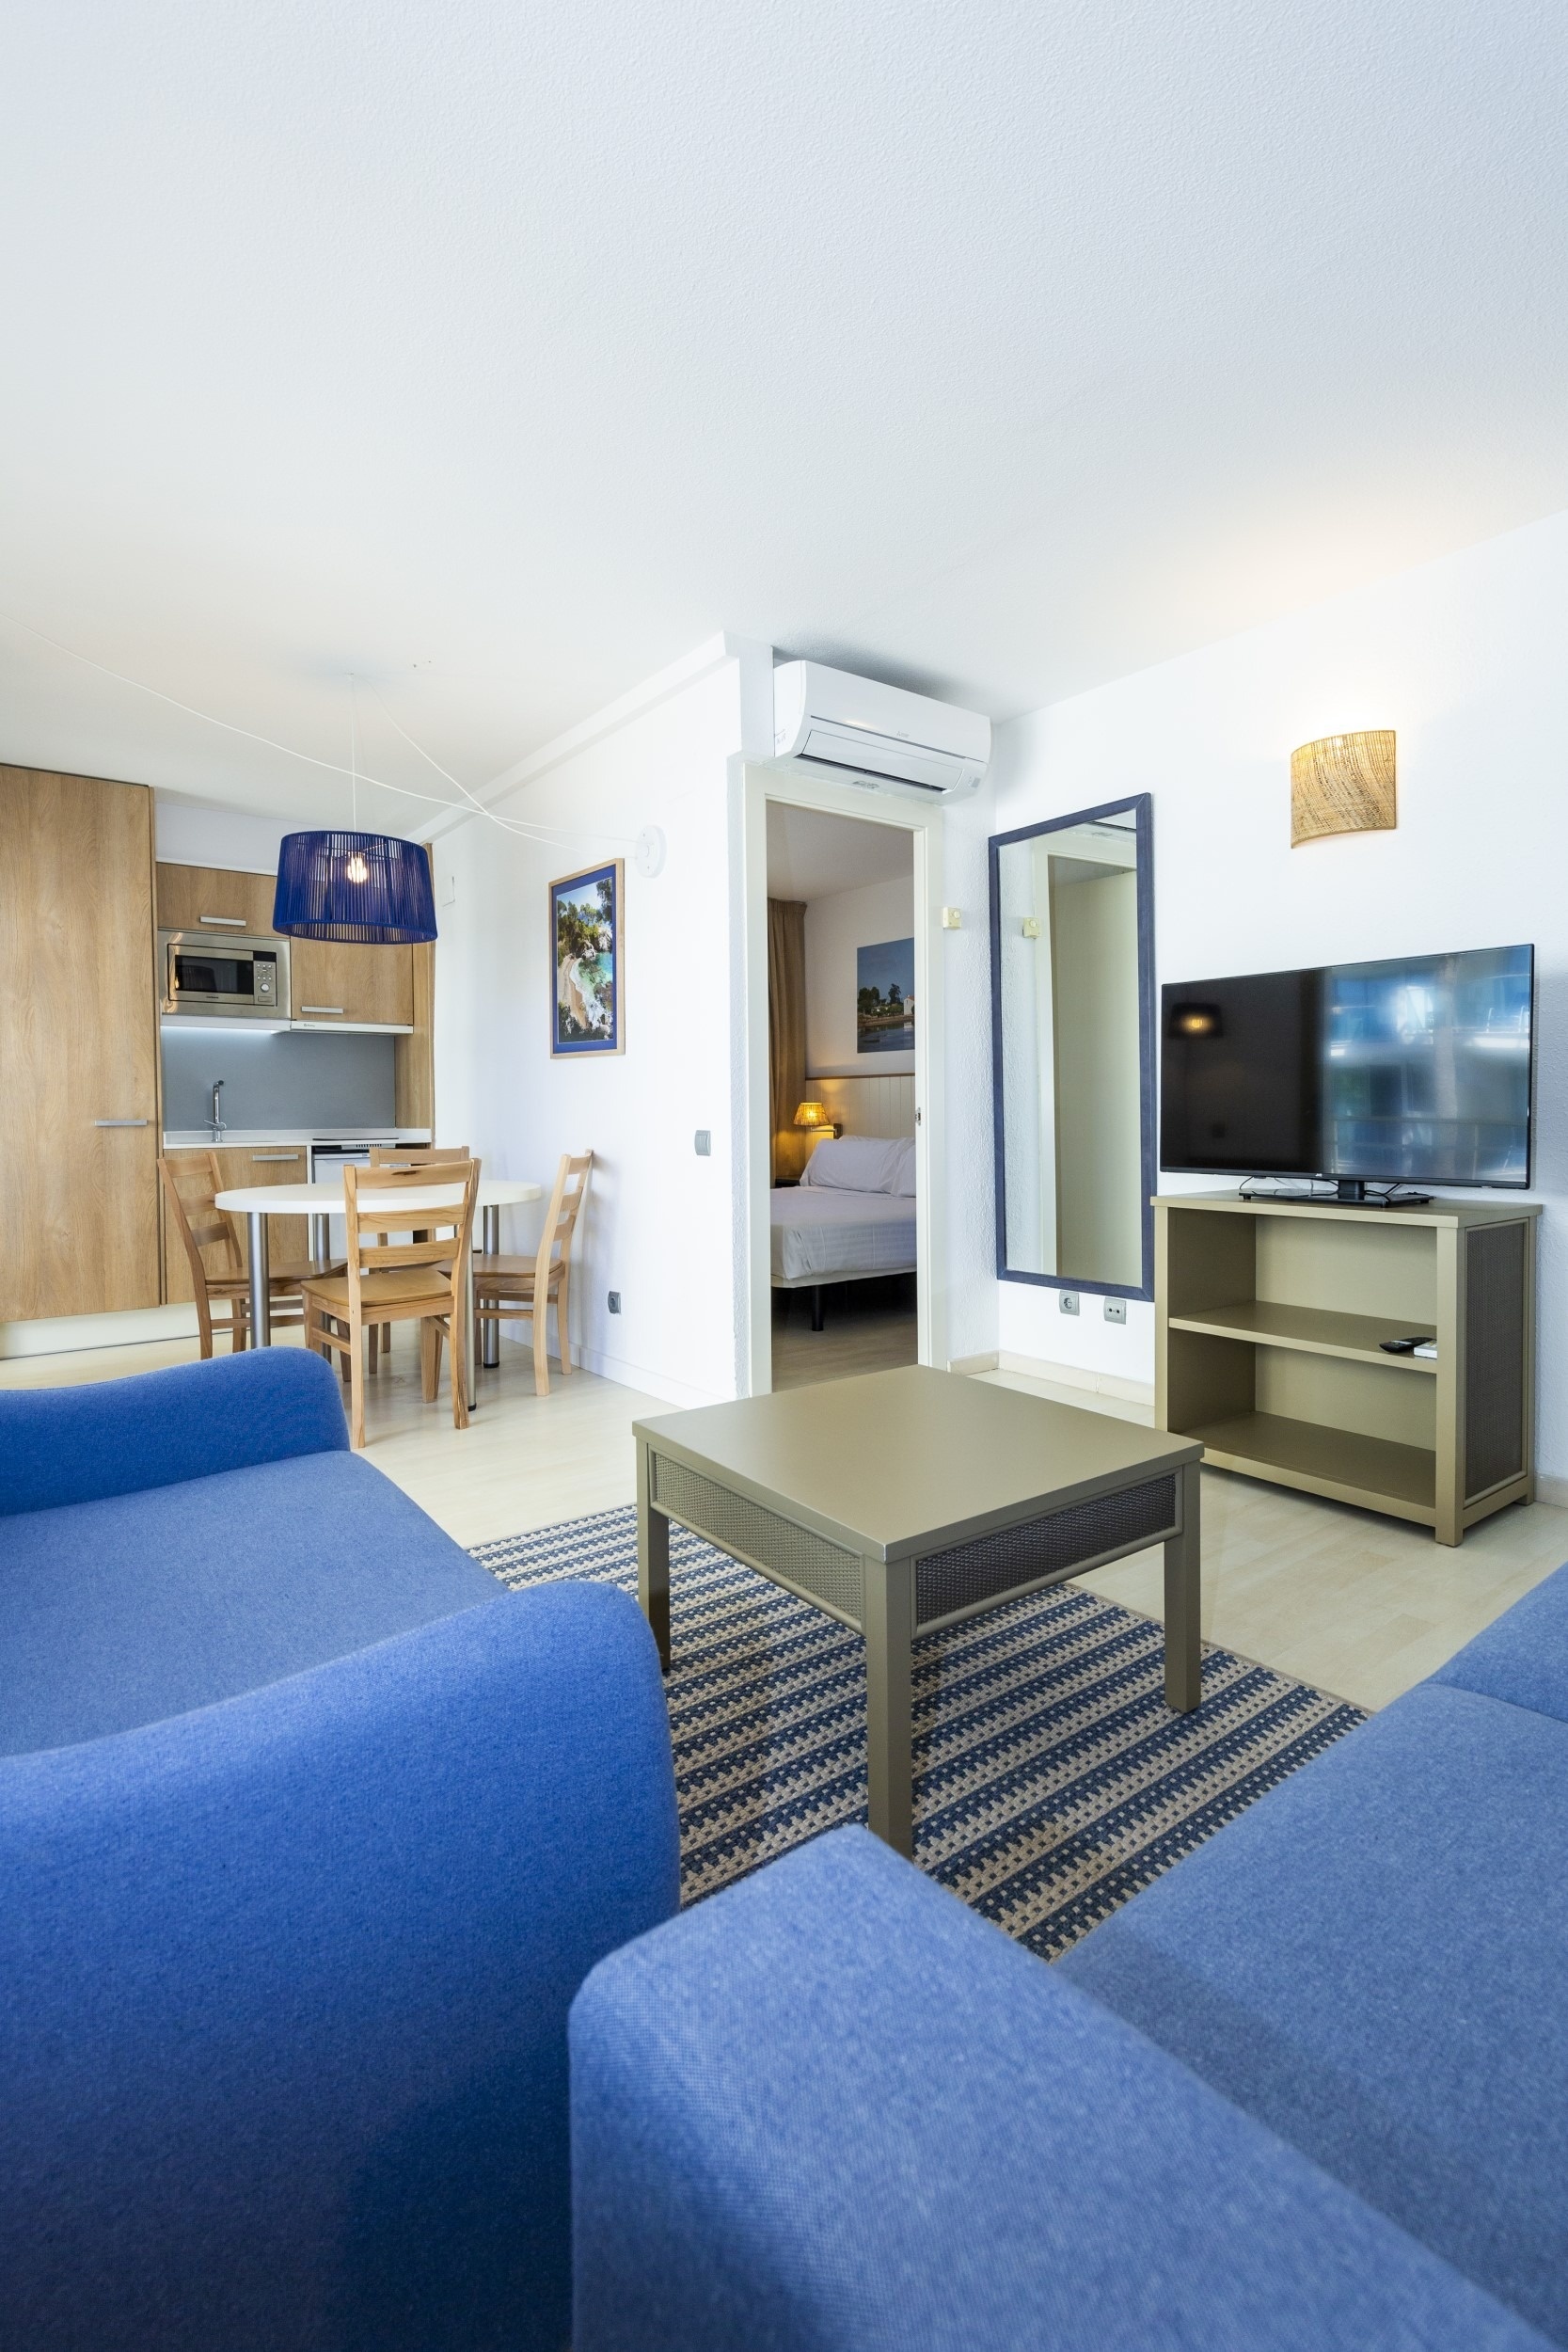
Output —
(1140, 805)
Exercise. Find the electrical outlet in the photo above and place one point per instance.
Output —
(703, 1143)
(1116, 1311)
(1068, 1301)
(614, 1302)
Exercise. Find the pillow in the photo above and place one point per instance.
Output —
(862, 1163)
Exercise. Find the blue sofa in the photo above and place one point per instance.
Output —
(308, 1833)
(1310, 2089)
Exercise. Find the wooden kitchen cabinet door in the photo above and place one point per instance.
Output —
(335, 982)
(78, 1047)
(212, 899)
(267, 1164)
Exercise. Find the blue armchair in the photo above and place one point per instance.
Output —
(285, 1964)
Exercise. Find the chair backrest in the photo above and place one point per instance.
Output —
(373, 1204)
(189, 1189)
(571, 1190)
(417, 1154)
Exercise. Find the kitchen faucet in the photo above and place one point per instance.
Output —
(218, 1122)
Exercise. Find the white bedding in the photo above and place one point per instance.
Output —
(823, 1237)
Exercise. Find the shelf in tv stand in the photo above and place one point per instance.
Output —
(1314, 1331)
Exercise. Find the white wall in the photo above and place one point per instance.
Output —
(186, 835)
(661, 1224)
(835, 928)
(1464, 657)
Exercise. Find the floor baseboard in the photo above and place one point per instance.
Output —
(63, 1335)
(1076, 1376)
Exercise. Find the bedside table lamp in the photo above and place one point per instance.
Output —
(814, 1116)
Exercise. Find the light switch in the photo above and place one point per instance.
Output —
(705, 1143)
(952, 918)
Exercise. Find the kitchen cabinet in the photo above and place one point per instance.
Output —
(211, 898)
(334, 983)
(78, 1047)
(266, 1164)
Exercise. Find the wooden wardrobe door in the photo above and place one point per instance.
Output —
(78, 1047)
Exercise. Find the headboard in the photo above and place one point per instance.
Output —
(882, 1105)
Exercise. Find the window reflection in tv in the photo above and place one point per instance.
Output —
(1412, 1071)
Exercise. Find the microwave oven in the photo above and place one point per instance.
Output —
(244, 979)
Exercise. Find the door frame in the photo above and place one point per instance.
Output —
(801, 788)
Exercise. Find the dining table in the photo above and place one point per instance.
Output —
(319, 1201)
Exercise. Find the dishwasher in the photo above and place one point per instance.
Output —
(328, 1235)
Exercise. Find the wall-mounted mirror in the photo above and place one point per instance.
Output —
(1072, 1015)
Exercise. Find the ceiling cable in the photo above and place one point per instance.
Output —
(476, 807)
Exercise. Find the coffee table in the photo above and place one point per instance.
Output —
(900, 1502)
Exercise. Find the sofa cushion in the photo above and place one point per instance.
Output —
(117, 1612)
(1523, 1657)
(156, 1428)
(1373, 1960)
(832, 2107)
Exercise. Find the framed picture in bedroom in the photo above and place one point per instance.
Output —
(586, 959)
(884, 997)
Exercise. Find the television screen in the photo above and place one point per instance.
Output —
(1414, 1070)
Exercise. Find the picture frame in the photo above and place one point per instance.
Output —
(586, 962)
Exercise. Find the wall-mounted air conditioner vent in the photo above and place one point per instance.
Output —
(875, 734)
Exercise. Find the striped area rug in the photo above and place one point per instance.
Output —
(1051, 1780)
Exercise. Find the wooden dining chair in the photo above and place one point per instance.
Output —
(398, 1281)
(215, 1253)
(507, 1288)
(410, 1155)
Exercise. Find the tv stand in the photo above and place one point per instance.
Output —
(1268, 1313)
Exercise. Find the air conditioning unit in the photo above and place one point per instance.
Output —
(877, 734)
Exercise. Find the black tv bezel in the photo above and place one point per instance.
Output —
(1346, 1175)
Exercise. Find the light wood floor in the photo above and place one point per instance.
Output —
(870, 1326)
(1359, 1605)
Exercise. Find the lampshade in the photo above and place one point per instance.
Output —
(812, 1115)
(1343, 784)
(366, 887)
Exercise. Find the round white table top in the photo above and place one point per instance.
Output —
(495, 1192)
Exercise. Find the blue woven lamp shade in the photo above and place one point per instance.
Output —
(368, 887)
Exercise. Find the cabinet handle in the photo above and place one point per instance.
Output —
(122, 1122)
(277, 1155)
(321, 1009)
(233, 922)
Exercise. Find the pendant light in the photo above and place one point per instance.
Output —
(371, 888)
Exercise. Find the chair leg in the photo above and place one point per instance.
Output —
(356, 1392)
(541, 1347)
(430, 1359)
(374, 1340)
(562, 1334)
(460, 1366)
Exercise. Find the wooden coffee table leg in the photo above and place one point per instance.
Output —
(1184, 1602)
(887, 1609)
(652, 1558)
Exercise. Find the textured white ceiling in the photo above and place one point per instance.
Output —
(813, 855)
(499, 352)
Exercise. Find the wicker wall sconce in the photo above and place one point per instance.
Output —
(1343, 784)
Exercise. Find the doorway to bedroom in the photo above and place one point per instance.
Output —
(844, 1012)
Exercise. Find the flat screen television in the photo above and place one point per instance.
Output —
(1414, 1070)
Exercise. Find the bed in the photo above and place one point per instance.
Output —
(850, 1219)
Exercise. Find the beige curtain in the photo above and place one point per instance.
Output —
(786, 1030)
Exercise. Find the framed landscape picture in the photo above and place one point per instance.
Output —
(884, 997)
(585, 948)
